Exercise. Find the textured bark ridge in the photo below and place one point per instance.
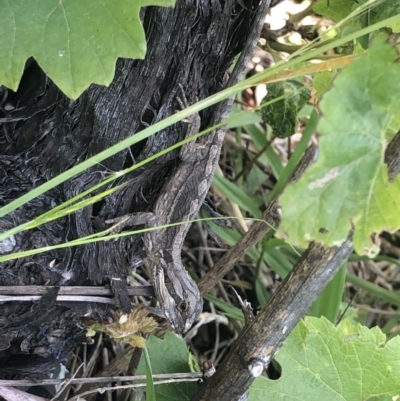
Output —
(42, 133)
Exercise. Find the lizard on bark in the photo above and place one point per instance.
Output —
(180, 200)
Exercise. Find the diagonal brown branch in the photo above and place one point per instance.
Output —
(255, 233)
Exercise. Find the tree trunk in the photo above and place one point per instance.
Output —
(42, 134)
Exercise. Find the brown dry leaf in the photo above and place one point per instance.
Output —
(127, 327)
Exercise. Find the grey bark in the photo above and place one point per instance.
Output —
(42, 133)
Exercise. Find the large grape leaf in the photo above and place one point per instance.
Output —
(169, 355)
(76, 42)
(322, 362)
(348, 185)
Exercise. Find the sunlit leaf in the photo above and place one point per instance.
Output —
(169, 355)
(75, 42)
(348, 185)
(322, 362)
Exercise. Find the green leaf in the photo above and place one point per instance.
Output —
(255, 179)
(336, 10)
(348, 312)
(193, 363)
(322, 362)
(343, 14)
(386, 10)
(75, 42)
(169, 356)
(348, 185)
(281, 115)
(322, 82)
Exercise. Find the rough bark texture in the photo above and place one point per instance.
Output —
(42, 133)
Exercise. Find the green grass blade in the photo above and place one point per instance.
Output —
(374, 289)
(103, 236)
(59, 212)
(281, 261)
(72, 204)
(328, 302)
(262, 294)
(269, 157)
(358, 258)
(236, 195)
(229, 310)
(150, 391)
